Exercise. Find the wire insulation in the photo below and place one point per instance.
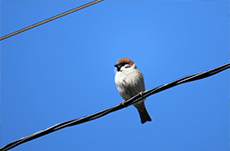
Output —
(50, 19)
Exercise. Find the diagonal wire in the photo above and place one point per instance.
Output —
(50, 19)
(132, 100)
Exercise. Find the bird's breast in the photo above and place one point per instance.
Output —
(129, 84)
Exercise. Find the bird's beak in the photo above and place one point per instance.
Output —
(118, 66)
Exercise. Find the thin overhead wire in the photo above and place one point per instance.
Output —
(132, 100)
(50, 19)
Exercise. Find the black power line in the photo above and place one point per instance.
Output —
(132, 100)
(50, 19)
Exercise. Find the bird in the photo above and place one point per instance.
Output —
(129, 81)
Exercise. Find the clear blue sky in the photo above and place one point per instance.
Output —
(65, 69)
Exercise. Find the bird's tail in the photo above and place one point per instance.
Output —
(144, 115)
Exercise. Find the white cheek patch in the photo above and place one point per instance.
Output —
(127, 66)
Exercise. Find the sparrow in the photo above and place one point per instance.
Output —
(129, 81)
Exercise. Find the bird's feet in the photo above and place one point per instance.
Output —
(141, 94)
(123, 103)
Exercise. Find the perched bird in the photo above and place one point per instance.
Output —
(130, 81)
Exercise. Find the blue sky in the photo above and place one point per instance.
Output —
(65, 69)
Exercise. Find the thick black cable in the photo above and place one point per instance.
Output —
(132, 100)
(50, 19)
